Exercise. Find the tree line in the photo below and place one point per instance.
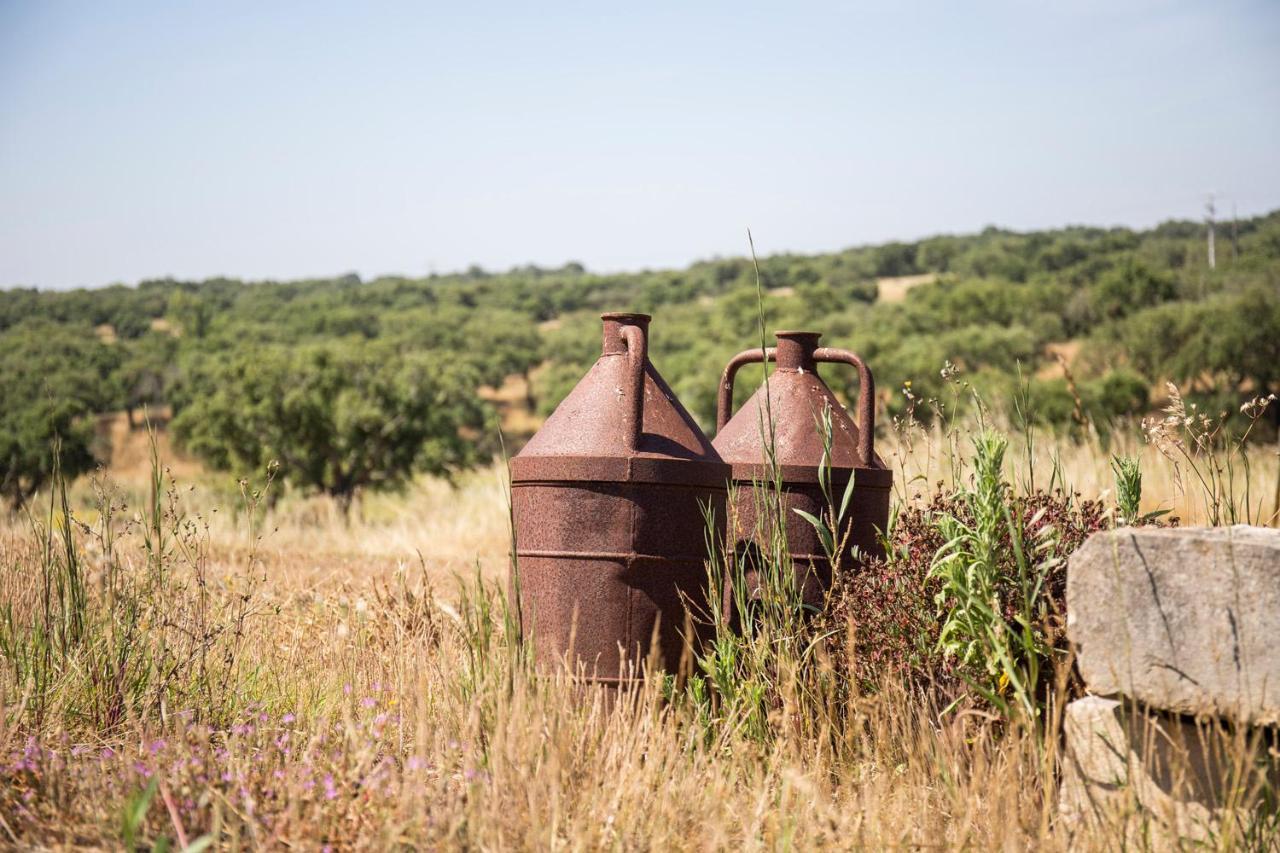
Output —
(351, 384)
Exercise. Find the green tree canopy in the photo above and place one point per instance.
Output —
(337, 418)
(53, 378)
(147, 368)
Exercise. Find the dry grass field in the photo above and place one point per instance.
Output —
(197, 670)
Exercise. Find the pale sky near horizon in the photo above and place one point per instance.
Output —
(286, 140)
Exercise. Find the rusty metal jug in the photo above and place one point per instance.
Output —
(607, 500)
(796, 398)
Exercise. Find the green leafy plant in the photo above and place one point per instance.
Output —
(1128, 478)
(976, 626)
(134, 815)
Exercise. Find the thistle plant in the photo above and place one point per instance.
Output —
(1128, 477)
(992, 627)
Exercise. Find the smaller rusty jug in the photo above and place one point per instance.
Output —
(796, 397)
(608, 503)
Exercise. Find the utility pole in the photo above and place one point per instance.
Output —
(1235, 237)
(1208, 218)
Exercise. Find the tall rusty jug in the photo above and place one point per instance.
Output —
(796, 398)
(607, 499)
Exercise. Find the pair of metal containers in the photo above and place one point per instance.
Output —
(611, 497)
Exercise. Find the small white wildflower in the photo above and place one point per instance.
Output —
(1254, 408)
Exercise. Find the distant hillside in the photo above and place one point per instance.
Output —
(1122, 311)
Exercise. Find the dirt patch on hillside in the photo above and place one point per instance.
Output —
(895, 289)
(511, 399)
(131, 446)
(1058, 353)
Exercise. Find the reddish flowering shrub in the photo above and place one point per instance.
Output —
(883, 618)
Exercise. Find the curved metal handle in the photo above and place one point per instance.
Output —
(637, 355)
(866, 398)
(724, 400)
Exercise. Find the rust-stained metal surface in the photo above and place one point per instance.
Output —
(607, 502)
(796, 397)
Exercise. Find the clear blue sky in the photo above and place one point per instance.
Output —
(282, 140)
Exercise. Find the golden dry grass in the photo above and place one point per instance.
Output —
(366, 699)
(924, 460)
(453, 530)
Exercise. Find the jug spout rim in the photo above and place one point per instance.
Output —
(796, 333)
(615, 323)
(795, 350)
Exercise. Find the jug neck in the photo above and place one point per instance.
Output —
(795, 351)
(613, 343)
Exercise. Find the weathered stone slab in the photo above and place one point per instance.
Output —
(1143, 780)
(1185, 620)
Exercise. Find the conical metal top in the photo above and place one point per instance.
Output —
(621, 422)
(793, 402)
